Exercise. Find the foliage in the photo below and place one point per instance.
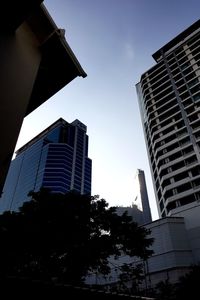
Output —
(65, 236)
(130, 278)
(166, 290)
(187, 286)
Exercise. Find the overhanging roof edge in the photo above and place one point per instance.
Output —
(60, 33)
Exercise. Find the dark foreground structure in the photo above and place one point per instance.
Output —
(36, 62)
(25, 287)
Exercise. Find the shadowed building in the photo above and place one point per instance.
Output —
(57, 159)
(36, 62)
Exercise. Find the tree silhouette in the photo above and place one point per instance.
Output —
(165, 290)
(183, 289)
(188, 284)
(65, 236)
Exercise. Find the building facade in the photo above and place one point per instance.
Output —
(56, 159)
(169, 100)
(173, 255)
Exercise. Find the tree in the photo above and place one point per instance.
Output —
(188, 284)
(65, 236)
(183, 289)
(165, 290)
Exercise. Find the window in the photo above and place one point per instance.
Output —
(196, 97)
(164, 151)
(184, 66)
(169, 170)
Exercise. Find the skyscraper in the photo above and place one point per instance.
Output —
(169, 99)
(57, 159)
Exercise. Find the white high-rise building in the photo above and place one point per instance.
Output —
(169, 99)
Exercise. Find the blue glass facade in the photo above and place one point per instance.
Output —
(57, 173)
(56, 159)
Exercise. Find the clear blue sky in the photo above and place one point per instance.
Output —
(113, 41)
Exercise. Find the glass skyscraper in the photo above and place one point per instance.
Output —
(169, 99)
(57, 159)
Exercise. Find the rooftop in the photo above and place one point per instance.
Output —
(176, 40)
(60, 121)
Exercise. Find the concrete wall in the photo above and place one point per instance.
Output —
(171, 247)
(172, 252)
(191, 214)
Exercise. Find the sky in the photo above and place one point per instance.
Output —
(114, 41)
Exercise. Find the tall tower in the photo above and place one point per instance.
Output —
(57, 159)
(169, 100)
(141, 198)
